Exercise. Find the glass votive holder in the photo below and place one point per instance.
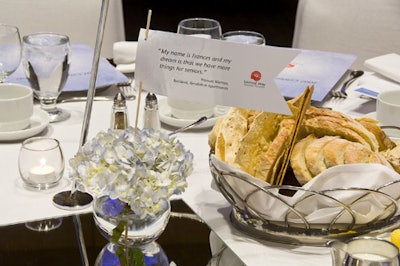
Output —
(41, 163)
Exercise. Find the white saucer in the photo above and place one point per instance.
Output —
(38, 122)
(392, 133)
(371, 115)
(167, 118)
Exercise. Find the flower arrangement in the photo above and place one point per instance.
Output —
(139, 167)
(138, 170)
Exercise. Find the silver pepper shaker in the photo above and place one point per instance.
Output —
(119, 113)
(151, 115)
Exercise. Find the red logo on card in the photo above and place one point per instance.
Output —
(255, 75)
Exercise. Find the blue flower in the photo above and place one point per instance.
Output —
(113, 207)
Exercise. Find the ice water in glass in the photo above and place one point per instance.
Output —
(46, 61)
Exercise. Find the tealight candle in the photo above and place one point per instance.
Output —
(41, 163)
(42, 174)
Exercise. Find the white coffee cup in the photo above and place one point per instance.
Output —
(16, 106)
(388, 108)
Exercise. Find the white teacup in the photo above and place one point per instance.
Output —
(189, 110)
(388, 108)
(16, 106)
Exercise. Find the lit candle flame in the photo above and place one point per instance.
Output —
(43, 162)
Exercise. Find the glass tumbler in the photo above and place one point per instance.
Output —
(41, 163)
(200, 27)
(46, 61)
(204, 28)
(244, 36)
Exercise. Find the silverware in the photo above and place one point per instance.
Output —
(84, 98)
(127, 89)
(194, 124)
(341, 93)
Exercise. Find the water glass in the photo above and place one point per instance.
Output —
(10, 50)
(204, 28)
(201, 27)
(46, 61)
(244, 36)
(41, 163)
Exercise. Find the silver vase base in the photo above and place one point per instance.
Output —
(67, 200)
(153, 254)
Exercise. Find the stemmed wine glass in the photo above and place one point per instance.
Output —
(46, 61)
(10, 50)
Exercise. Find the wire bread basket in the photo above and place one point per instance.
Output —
(346, 212)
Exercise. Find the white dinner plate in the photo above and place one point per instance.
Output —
(38, 122)
(167, 118)
(392, 133)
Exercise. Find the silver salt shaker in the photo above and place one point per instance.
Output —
(119, 113)
(151, 115)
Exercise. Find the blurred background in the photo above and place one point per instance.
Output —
(275, 19)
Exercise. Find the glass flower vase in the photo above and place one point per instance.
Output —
(139, 233)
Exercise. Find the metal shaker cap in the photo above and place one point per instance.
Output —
(119, 100)
(151, 101)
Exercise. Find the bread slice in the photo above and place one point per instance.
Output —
(328, 122)
(231, 130)
(255, 143)
(334, 152)
(356, 153)
(276, 148)
(393, 157)
(372, 125)
(331, 126)
(314, 154)
(298, 162)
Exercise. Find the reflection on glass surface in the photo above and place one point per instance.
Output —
(44, 225)
(185, 241)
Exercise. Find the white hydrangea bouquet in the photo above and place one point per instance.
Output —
(138, 170)
(139, 167)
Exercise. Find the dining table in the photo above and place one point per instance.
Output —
(20, 206)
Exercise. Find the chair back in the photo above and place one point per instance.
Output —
(76, 18)
(367, 28)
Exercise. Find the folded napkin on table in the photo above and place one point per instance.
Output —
(387, 65)
(371, 84)
(124, 56)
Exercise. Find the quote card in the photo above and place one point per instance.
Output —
(212, 71)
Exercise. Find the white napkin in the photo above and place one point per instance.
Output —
(371, 84)
(387, 65)
(124, 56)
(318, 209)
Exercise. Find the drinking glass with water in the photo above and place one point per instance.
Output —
(46, 61)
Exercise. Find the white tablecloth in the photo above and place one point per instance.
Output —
(19, 205)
